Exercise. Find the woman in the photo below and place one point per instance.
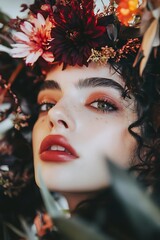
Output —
(83, 120)
(93, 104)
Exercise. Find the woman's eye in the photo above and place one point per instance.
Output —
(103, 105)
(45, 107)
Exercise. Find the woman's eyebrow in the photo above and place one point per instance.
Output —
(99, 82)
(50, 84)
(85, 83)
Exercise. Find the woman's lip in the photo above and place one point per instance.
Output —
(48, 155)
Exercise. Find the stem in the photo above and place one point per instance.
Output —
(10, 81)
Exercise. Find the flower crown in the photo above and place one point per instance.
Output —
(73, 33)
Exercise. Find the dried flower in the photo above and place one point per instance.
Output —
(131, 46)
(5, 147)
(20, 121)
(13, 183)
(102, 56)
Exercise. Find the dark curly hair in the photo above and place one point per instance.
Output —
(146, 90)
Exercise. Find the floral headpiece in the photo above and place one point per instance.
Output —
(72, 32)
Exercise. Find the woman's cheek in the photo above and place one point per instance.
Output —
(38, 135)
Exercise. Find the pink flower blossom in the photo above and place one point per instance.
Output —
(34, 40)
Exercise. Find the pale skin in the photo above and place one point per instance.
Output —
(94, 120)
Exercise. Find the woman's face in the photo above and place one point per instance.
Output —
(83, 120)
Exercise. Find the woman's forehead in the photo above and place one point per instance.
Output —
(76, 73)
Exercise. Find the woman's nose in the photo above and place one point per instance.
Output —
(59, 117)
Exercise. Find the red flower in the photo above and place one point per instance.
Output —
(75, 33)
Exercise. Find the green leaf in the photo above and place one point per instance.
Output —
(29, 233)
(51, 205)
(72, 228)
(76, 229)
(141, 211)
(15, 230)
(4, 18)
(5, 232)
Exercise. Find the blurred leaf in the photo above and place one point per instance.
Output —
(76, 229)
(16, 230)
(5, 232)
(143, 214)
(147, 42)
(29, 234)
(51, 205)
(147, 18)
(4, 18)
(72, 228)
(5, 32)
(152, 4)
(112, 31)
(138, 57)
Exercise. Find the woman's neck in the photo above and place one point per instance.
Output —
(74, 199)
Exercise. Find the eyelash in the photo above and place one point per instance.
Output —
(48, 106)
(109, 106)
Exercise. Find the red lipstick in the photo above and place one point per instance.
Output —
(55, 148)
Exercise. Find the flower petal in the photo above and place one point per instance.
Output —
(32, 57)
(20, 52)
(48, 57)
(26, 27)
(21, 37)
(5, 49)
(20, 45)
(41, 19)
